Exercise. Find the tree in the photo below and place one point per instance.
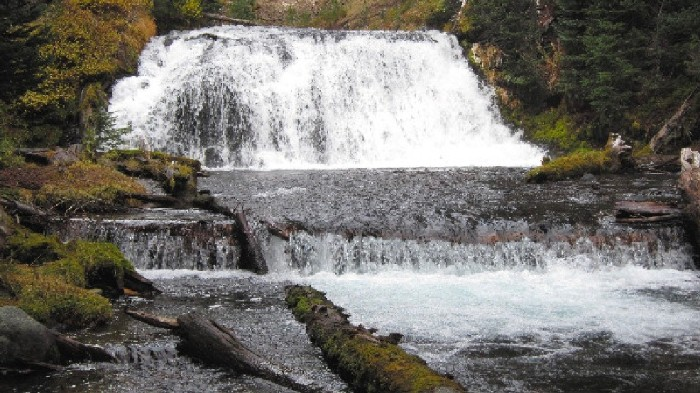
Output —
(605, 45)
(512, 27)
(84, 42)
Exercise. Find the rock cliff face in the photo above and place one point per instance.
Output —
(689, 182)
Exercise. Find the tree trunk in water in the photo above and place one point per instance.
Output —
(367, 362)
(251, 254)
(208, 341)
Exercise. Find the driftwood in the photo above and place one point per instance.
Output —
(642, 212)
(75, 351)
(251, 253)
(35, 155)
(226, 19)
(139, 284)
(367, 362)
(672, 130)
(208, 341)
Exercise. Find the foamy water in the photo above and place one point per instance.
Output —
(267, 98)
(632, 303)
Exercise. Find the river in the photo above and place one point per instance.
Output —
(387, 155)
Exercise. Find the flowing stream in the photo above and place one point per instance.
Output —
(507, 286)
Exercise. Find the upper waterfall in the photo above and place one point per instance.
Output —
(266, 98)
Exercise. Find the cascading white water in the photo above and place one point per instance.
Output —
(267, 98)
(335, 254)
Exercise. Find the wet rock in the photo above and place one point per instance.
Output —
(23, 340)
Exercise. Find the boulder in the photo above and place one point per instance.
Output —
(24, 341)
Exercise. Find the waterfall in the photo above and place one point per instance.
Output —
(266, 98)
(164, 243)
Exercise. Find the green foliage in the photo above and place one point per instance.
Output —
(8, 158)
(556, 130)
(79, 44)
(627, 64)
(103, 135)
(242, 9)
(294, 17)
(190, 9)
(182, 14)
(572, 165)
(512, 28)
(18, 63)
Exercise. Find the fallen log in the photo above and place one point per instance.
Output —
(40, 156)
(27, 215)
(642, 212)
(159, 200)
(366, 362)
(226, 19)
(153, 320)
(142, 286)
(251, 253)
(214, 344)
(75, 351)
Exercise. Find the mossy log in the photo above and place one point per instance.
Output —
(367, 362)
(214, 344)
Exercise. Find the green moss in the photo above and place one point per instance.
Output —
(302, 301)
(51, 300)
(572, 165)
(54, 288)
(642, 151)
(557, 130)
(103, 265)
(33, 248)
(70, 269)
(86, 187)
(93, 265)
(177, 175)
